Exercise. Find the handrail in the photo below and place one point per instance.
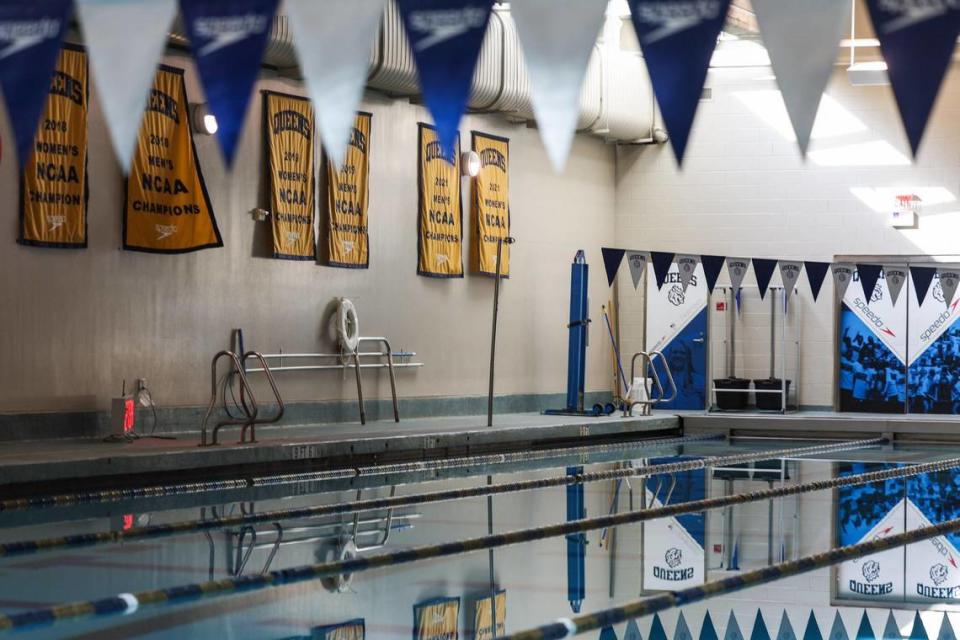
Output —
(252, 422)
(650, 358)
(245, 388)
(386, 529)
(388, 353)
(666, 368)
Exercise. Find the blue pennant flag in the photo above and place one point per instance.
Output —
(816, 273)
(712, 266)
(608, 634)
(611, 262)
(812, 631)
(661, 266)
(763, 269)
(918, 632)
(708, 631)
(678, 38)
(922, 277)
(633, 631)
(868, 274)
(759, 628)
(865, 631)
(446, 37)
(228, 39)
(31, 32)
(917, 40)
(656, 629)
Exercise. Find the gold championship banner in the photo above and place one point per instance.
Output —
(483, 622)
(441, 209)
(490, 208)
(289, 134)
(348, 191)
(167, 209)
(353, 630)
(53, 202)
(436, 619)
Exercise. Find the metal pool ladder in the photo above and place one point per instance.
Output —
(251, 409)
(649, 357)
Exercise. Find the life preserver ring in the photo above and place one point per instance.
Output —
(348, 327)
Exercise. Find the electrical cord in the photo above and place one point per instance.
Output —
(146, 398)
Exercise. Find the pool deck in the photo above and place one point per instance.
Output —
(52, 466)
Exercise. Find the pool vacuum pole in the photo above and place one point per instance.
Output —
(493, 338)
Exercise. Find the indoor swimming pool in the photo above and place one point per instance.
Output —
(545, 536)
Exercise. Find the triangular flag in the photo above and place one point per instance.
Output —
(737, 269)
(632, 632)
(686, 266)
(712, 266)
(611, 262)
(946, 629)
(661, 266)
(838, 631)
(786, 629)
(678, 38)
(125, 40)
(816, 273)
(789, 274)
(918, 632)
(869, 274)
(801, 39)
(708, 631)
(446, 37)
(31, 32)
(637, 261)
(228, 38)
(759, 631)
(891, 631)
(607, 633)
(656, 629)
(917, 41)
(333, 40)
(558, 37)
(682, 632)
(949, 279)
(812, 630)
(733, 629)
(895, 275)
(865, 631)
(763, 270)
(842, 276)
(922, 277)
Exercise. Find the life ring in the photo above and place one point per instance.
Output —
(348, 327)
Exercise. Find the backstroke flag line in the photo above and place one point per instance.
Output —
(801, 39)
(228, 38)
(558, 37)
(335, 61)
(31, 32)
(446, 37)
(125, 39)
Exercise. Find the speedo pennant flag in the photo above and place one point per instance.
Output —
(228, 38)
(917, 40)
(446, 37)
(125, 39)
(678, 38)
(31, 32)
(557, 37)
(334, 38)
(801, 39)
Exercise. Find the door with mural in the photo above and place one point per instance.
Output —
(933, 377)
(677, 327)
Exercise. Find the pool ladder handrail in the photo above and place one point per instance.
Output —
(281, 408)
(251, 410)
(650, 357)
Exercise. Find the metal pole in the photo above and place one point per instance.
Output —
(363, 412)
(493, 336)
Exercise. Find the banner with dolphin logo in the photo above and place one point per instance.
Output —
(228, 38)
(31, 32)
(446, 37)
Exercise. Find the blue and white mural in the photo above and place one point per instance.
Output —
(934, 350)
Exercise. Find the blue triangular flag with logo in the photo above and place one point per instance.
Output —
(763, 269)
(759, 631)
(611, 262)
(228, 38)
(838, 631)
(608, 634)
(812, 630)
(865, 631)
(946, 629)
(678, 38)
(869, 274)
(708, 631)
(661, 266)
(446, 37)
(656, 629)
(917, 40)
(922, 277)
(633, 631)
(712, 266)
(918, 632)
(816, 273)
(890, 630)
(31, 32)
(733, 629)
(786, 629)
(682, 632)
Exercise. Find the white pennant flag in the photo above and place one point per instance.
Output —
(842, 277)
(801, 38)
(949, 279)
(895, 275)
(125, 39)
(334, 39)
(637, 261)
(789, 275)
(737, 268)
(557, 38)
(686, 265)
